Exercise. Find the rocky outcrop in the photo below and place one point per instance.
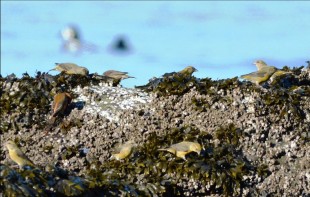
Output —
(255, 139)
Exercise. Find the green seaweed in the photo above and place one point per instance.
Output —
(263, 171)
(148, 171)
(222, 165)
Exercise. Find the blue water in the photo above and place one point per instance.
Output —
(220, 39)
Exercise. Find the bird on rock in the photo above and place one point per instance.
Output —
(183, 148)
(71, 68)
(17, 155)
(188, 71)
(263, 73)
(60, 104)
(123, 151)
(116, 76)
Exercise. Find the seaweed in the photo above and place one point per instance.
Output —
(151, 172)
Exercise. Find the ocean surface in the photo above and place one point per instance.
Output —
(221, 39)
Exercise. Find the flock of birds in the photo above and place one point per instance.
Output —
(62, 101)
(264, 72)
(121, 152)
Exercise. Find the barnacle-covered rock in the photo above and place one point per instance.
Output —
(254, 139)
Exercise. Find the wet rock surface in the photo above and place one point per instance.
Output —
(255, 139)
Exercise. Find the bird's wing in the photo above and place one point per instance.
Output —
(20, 154)
(116, 72)
(168, 74)
(120, 73)
(170, 149)
(180, 147)
(57, 108)
(254, 75)
(68, 66)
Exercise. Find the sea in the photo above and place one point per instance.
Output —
(221, 39)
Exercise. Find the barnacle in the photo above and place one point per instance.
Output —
(66, 125)
(69, 152)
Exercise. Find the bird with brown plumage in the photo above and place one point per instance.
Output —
(183, 148)
(116, 76)
(60, 104)
(71, 68)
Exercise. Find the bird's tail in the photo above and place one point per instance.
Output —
(242, 76)
(247, 76)
(52, 120)
(51, 70)
(167, 149)
(114, 156)
(54, 68)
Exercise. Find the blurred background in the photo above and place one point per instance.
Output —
(147, 39)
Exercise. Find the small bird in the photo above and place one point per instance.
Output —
(189, 70)
(183, 148)
(118, 75)
(17, 155)
(263, 74)
(60, 104)
(123, 151)
(155, 82)
(71, 68)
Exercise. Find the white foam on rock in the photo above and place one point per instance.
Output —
(109, 101)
